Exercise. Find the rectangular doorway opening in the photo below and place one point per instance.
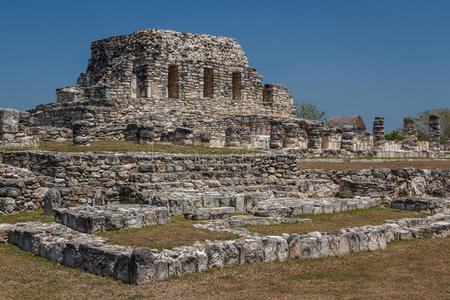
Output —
(208, 82)
(236, 86)
(173, 81)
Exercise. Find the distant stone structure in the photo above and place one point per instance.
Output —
(435, 133)
(378, 133)
(409, 134)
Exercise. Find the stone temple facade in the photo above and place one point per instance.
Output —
(157, 63)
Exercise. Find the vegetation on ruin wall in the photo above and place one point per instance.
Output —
(309, 111)
(362, 275)
(422, 120)
(128, 146)
(334, 221)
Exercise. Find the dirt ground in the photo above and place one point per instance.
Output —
(358, 165)
(414, 269)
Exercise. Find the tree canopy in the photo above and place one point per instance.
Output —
(309, 111)
(422, 120)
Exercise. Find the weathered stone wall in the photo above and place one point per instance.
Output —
(100, 178)
(15, 131)
(138, 66)
(97, 178)
(20, 190)
(379, 183)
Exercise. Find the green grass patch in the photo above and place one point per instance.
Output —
(28, 216)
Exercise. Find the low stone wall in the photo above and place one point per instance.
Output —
(94, 219)
(78, 250)
(20, 190)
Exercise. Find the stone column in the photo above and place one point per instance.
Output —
(81, 132)
(409, 135)
(276, 134)
(435, 133)
(378, 133)
(347, 142)
(290, 139)
(313, 132)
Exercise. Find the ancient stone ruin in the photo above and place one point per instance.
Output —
(191, 89)
(195, 89)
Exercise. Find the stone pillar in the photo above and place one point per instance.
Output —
(276, 134)
(378, 133)
(290, 139)
(313, 132)
(409, 135)
(347, 142)
(435, 133)
(81, 132)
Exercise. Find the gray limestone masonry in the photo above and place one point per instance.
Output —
(14, 132)
(79, 250)
(429, 204)
(20, 189)
(185, 183)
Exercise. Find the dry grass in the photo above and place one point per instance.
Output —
(178, 232)
(356, 165)
(28, 216)
(395, 272)
(329, 222)
(128, 146)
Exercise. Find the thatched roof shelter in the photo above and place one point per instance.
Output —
(356, 122)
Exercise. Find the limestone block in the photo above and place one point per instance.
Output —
(52, 200)
(9, 120)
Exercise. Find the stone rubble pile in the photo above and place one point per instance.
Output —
(94, 219)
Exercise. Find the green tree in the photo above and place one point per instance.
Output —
(423, 118)
(395, 135)
(309, 111)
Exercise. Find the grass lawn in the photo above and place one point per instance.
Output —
(129, 146)
(329, 222)
(355, 165)
(178, 232)
(393, 273)
(28, 216)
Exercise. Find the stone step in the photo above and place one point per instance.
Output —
(288, 207)
(208, 213)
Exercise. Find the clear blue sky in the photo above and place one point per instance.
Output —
(383, 57)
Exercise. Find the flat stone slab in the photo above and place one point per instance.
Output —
(430, 204)
(94, 219)
(4, 231)
(211, 213)
(289, 207)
